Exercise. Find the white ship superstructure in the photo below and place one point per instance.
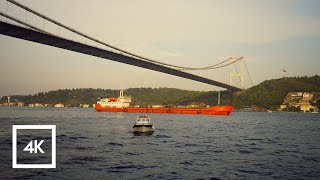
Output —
(120, 102)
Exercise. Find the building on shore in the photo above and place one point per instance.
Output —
(14, 102)
(157, 106)
(84, 105)
(38, 105)
(59, 105)
(299, 100)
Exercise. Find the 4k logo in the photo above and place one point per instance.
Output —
(35, 146)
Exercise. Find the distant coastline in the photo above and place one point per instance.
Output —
(269, 96)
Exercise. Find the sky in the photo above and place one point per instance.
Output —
(271, 35)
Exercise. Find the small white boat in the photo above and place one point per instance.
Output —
(143, 125)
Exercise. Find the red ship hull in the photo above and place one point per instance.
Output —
(214, 110)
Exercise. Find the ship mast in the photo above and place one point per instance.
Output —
(121, 93)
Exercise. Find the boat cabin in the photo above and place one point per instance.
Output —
(143, 120)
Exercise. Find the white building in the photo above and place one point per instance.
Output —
(59, 105)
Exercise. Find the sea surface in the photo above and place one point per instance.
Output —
(101, 145)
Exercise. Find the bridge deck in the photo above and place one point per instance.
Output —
(55, 41)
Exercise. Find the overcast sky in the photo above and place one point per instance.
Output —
(271, 35)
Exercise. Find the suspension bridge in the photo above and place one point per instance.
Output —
(17, 28)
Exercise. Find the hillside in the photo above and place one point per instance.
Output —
(268, 94)
(140, 96)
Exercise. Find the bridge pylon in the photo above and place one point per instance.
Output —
(234, 72)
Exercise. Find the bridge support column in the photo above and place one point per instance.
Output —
(234, 72)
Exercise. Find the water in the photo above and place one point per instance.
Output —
(95, 145)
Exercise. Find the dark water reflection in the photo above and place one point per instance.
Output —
(93, 145)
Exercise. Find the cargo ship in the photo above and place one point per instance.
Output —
(122, 104)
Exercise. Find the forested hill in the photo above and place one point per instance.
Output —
(140, 96)
(268, 94)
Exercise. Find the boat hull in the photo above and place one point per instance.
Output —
(143, 129)
(214, 110)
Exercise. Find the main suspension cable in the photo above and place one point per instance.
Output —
(214, 66)
(23, 23)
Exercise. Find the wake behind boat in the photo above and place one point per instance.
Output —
(122, 104)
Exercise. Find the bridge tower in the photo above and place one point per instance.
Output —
(234, 71)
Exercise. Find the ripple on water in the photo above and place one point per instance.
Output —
(69, 138)
(114, 144)
(84, 148)
(128, 168)
(84, 160)
(245, 151)
(217, 151)
(186, 163)
(161, 136)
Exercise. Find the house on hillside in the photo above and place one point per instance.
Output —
(300, 100)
